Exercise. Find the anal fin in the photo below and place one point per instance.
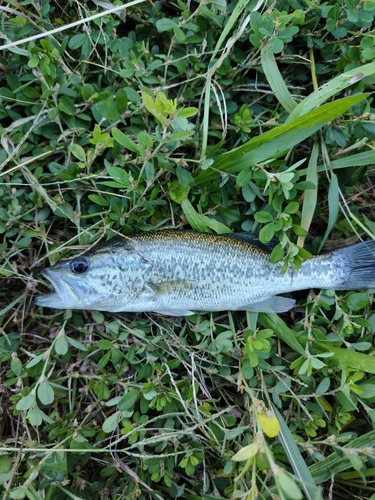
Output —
(274, 304)
(174, 312)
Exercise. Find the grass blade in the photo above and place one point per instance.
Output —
(276, 80)
(286, 334)
(310, 195)
(49, 33)
(201, 222)
(232, 21)
(331, 88)
(333, 207)
(324, 470)
(295, 458)
(356, 160)
(352, 359)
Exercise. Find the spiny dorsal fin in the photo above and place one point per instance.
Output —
(253, 240)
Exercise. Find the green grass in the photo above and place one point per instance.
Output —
(217, 116)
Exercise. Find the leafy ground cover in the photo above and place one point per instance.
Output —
(217, 116)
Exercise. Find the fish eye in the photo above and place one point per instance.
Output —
(79, 266)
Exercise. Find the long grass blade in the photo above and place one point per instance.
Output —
(310, 195)
(233, 21)
(333, 207)
(295, 458)
(324, 470)
(201, 222)
(331, 88)
(352, 359)
(49, 33)
(286, 334)
(356, 160)
(276, 142)
(275, 80)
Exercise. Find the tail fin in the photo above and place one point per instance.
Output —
(359, 260)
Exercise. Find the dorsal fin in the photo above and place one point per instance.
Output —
(253, 240)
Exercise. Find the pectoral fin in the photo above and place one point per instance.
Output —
(274, 304)
(163, 289)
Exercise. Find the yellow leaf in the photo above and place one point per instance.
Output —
(324, 404)
(269, 423)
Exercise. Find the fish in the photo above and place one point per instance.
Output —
(178, 273)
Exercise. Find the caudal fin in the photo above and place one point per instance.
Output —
(359, 261)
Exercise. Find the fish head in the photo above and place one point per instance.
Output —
(94, 281)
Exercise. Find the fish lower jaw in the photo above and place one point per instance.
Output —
(52, 300)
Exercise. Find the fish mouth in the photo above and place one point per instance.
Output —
(66, 296)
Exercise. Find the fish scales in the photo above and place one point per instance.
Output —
(178, 272)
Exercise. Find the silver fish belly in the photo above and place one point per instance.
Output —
(179, 272)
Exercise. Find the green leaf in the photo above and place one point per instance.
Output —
(246, 453)
(45, 393)
(87, 90)
(184, 176)
(5, 464)
(16, 366)
(133, 95)
(323, 386)
(128, 401)
(26, 402)
(76, 344)
(65, 211)
(144, 141)
(357, 301)
(121, 100)
(35, 361)
(108, 110)
(288, 485)
(177, 191)
(292, 207)
(35, 417)
(277, 254)
(120, 175)
(78, 152)
(165, 24)
(66, 104)
(76, 41)
(125, 141)
(187, 112)
(61, 345)
(101, 387)
(243, 177)
(152, 107)
(110, 423)
(99, 200)
(267, 233)
(263, 217)
(33, 62)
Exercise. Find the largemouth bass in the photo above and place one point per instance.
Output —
(178, 272)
